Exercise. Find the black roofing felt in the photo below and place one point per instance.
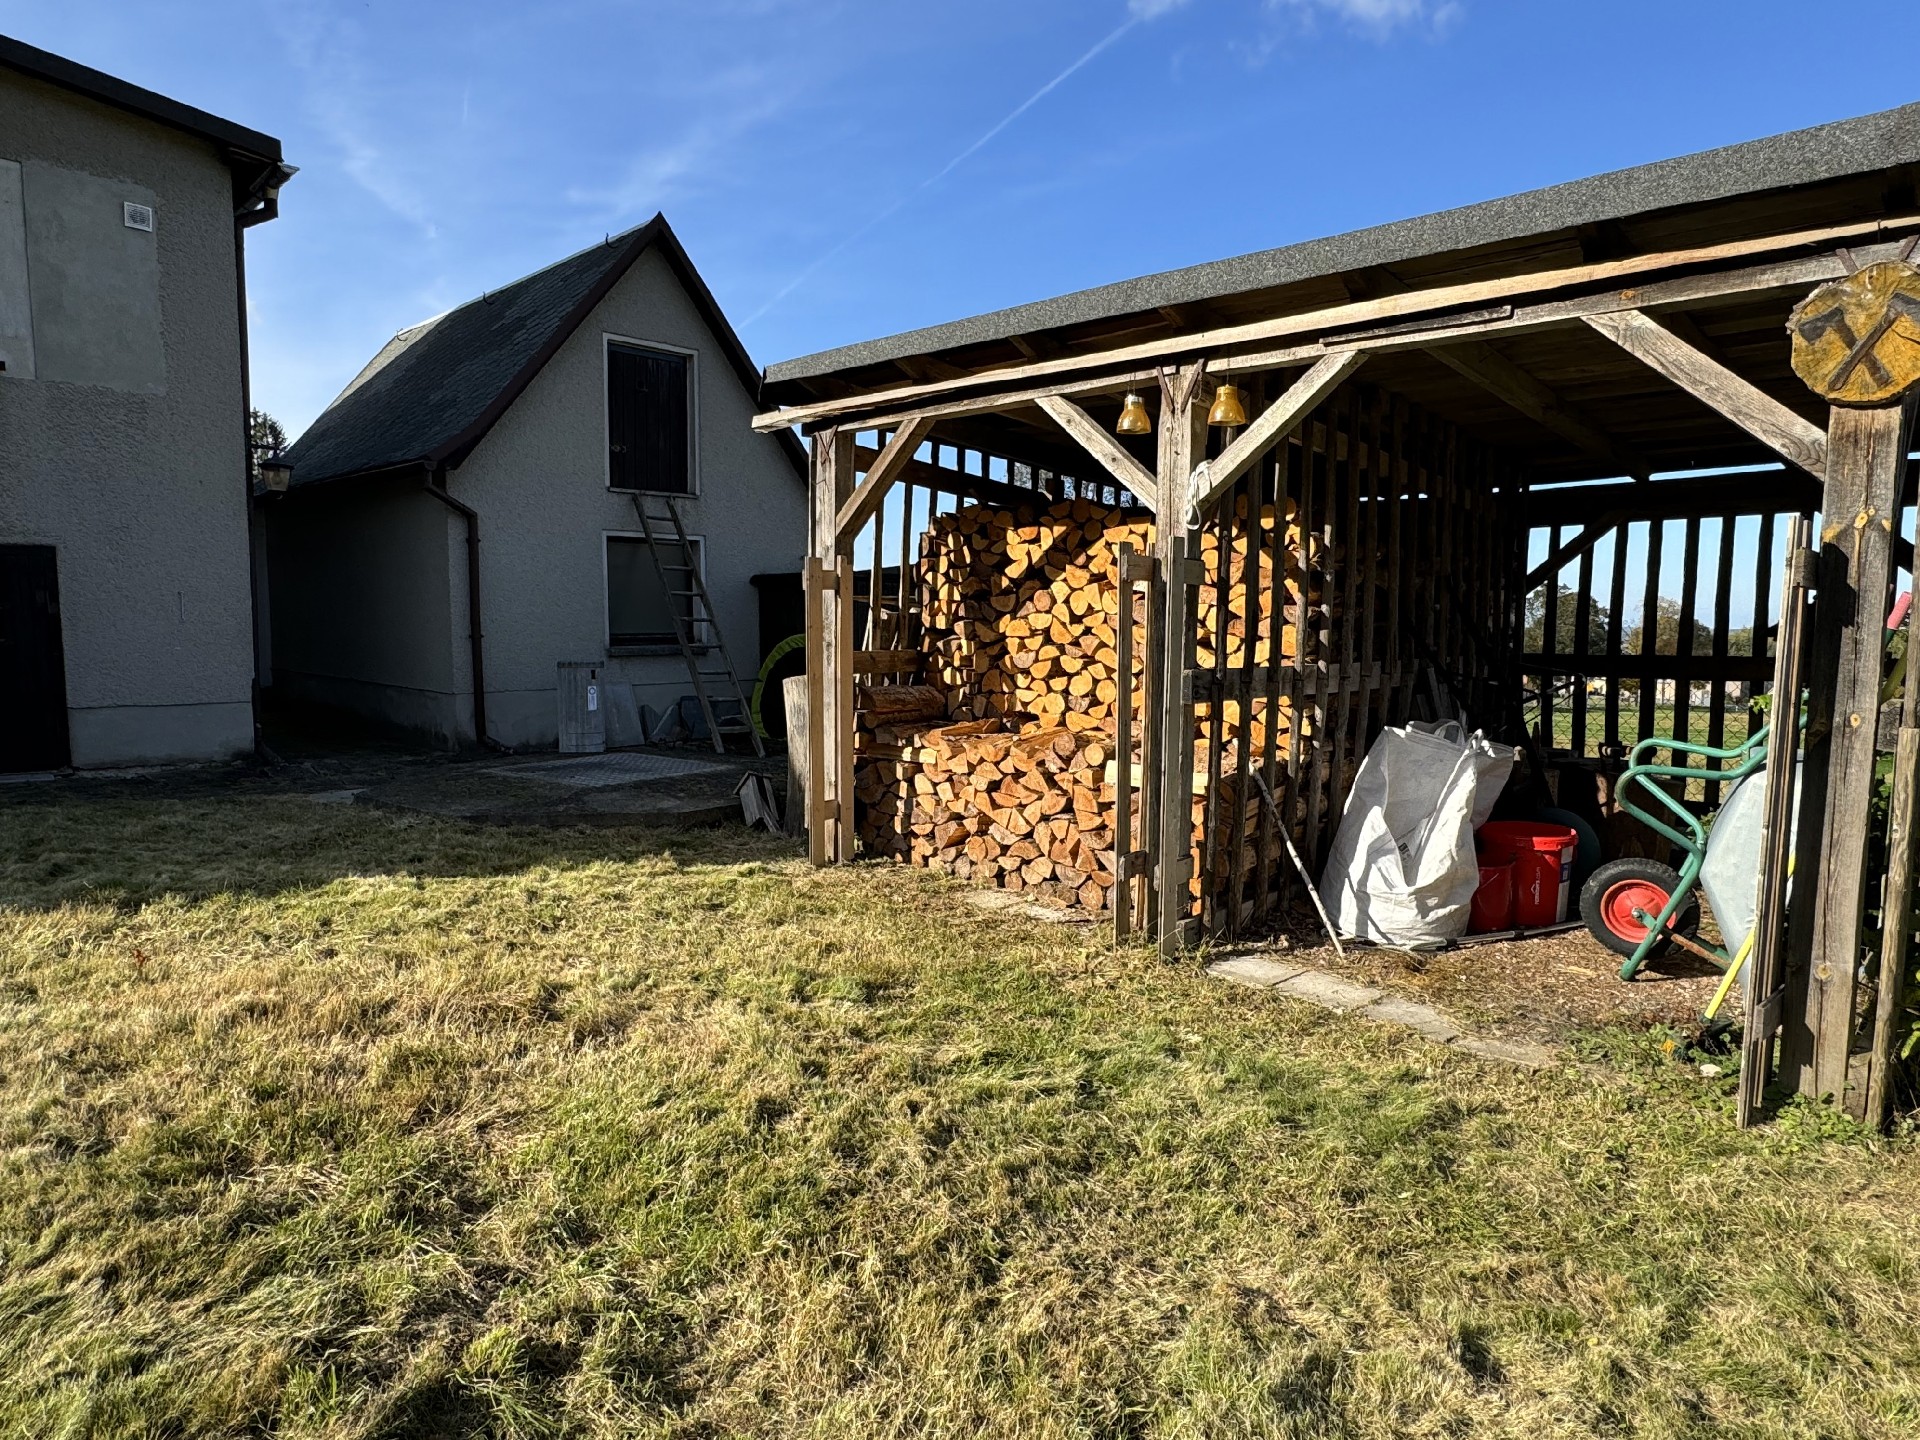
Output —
(1800, 157)
(433, 392)
(109, 90)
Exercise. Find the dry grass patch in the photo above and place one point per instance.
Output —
(321, 1121)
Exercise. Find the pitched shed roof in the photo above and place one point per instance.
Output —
(435, 389)
(1717, 189)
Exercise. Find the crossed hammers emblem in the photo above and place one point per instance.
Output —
(1815, 328)
(1835, 318)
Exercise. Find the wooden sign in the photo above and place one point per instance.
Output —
(1857, 341)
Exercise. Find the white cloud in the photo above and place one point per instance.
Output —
(1152, 9)
(1378, 16)
(343, 100)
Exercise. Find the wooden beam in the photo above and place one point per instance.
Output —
(1500, 377)
(886, 468)
(1776, 277)
(1578, 545)
(1416, 302)
(1095, 440)
(1210, 480)
(959, 482)
(1795, 438)
(1766, 492)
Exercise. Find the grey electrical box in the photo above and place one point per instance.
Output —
(583, 707)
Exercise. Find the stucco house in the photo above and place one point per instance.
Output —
(462, 517)
(126, 616)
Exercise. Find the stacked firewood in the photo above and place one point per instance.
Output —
(1022, 810)
(1018, 622)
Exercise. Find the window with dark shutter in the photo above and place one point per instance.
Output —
(647, 422)
(641, 611)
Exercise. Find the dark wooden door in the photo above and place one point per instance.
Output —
(33, 673)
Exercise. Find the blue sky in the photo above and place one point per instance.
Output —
(823, 159)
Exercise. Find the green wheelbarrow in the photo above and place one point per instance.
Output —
(1640, 908)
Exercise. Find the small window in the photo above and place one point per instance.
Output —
(648, 397)
(639, 609)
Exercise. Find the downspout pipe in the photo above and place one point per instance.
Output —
(437, 488)
(258, 203)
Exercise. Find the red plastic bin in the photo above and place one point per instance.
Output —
(1542, 858)
(1492, 907)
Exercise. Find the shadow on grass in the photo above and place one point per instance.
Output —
(125, 843)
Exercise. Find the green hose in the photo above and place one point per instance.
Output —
(779, 652)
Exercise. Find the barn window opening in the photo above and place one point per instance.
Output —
(649, 394)
(640, 610)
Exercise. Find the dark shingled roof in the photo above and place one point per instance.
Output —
(434, 390)
(1801, 157)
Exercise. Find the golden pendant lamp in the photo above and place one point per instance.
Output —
(1134, 419)
(1229, 407)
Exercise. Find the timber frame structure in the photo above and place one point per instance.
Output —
(1432, 398)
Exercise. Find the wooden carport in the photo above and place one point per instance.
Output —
(1434, 392)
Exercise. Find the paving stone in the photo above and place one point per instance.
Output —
(1331, 991)
(1396, 1010)
(1254, 970)
(1512, 1052)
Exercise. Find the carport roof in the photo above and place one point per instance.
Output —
(1759, 187)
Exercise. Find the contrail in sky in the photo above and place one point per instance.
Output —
(953, 164)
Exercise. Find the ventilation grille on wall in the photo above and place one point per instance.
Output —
(138, 217)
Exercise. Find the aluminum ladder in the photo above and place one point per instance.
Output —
(680, 578)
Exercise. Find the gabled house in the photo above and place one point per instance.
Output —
(126, 634)
(463, 517)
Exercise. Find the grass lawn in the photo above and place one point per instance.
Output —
(322, 1121)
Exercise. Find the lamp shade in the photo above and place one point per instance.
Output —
(1134, 419)
(1229, 408)
(276, 472)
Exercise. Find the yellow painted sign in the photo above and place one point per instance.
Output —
(1857, 341)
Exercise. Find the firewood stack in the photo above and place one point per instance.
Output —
(1018, 626)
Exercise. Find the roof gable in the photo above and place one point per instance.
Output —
(435, 390)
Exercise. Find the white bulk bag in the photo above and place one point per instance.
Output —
(1402, 869)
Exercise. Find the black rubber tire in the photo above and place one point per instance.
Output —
(1650, 872)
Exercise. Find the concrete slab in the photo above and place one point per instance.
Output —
(1339, 994)
(1510, 1052)
(1398, 1010)
(1255, 970)
(618, 788)
(1332, 992)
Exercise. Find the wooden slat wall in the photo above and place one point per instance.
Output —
(1699, 682)
(1408, 563)
(948, 477)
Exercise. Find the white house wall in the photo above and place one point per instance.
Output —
(539, 481)
(121, 435)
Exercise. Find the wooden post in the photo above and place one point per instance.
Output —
(830, 654)
(1896, 919)
(1183, 440)
(1765, 997)
(1866, 458)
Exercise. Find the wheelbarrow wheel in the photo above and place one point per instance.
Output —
(1618, 888)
